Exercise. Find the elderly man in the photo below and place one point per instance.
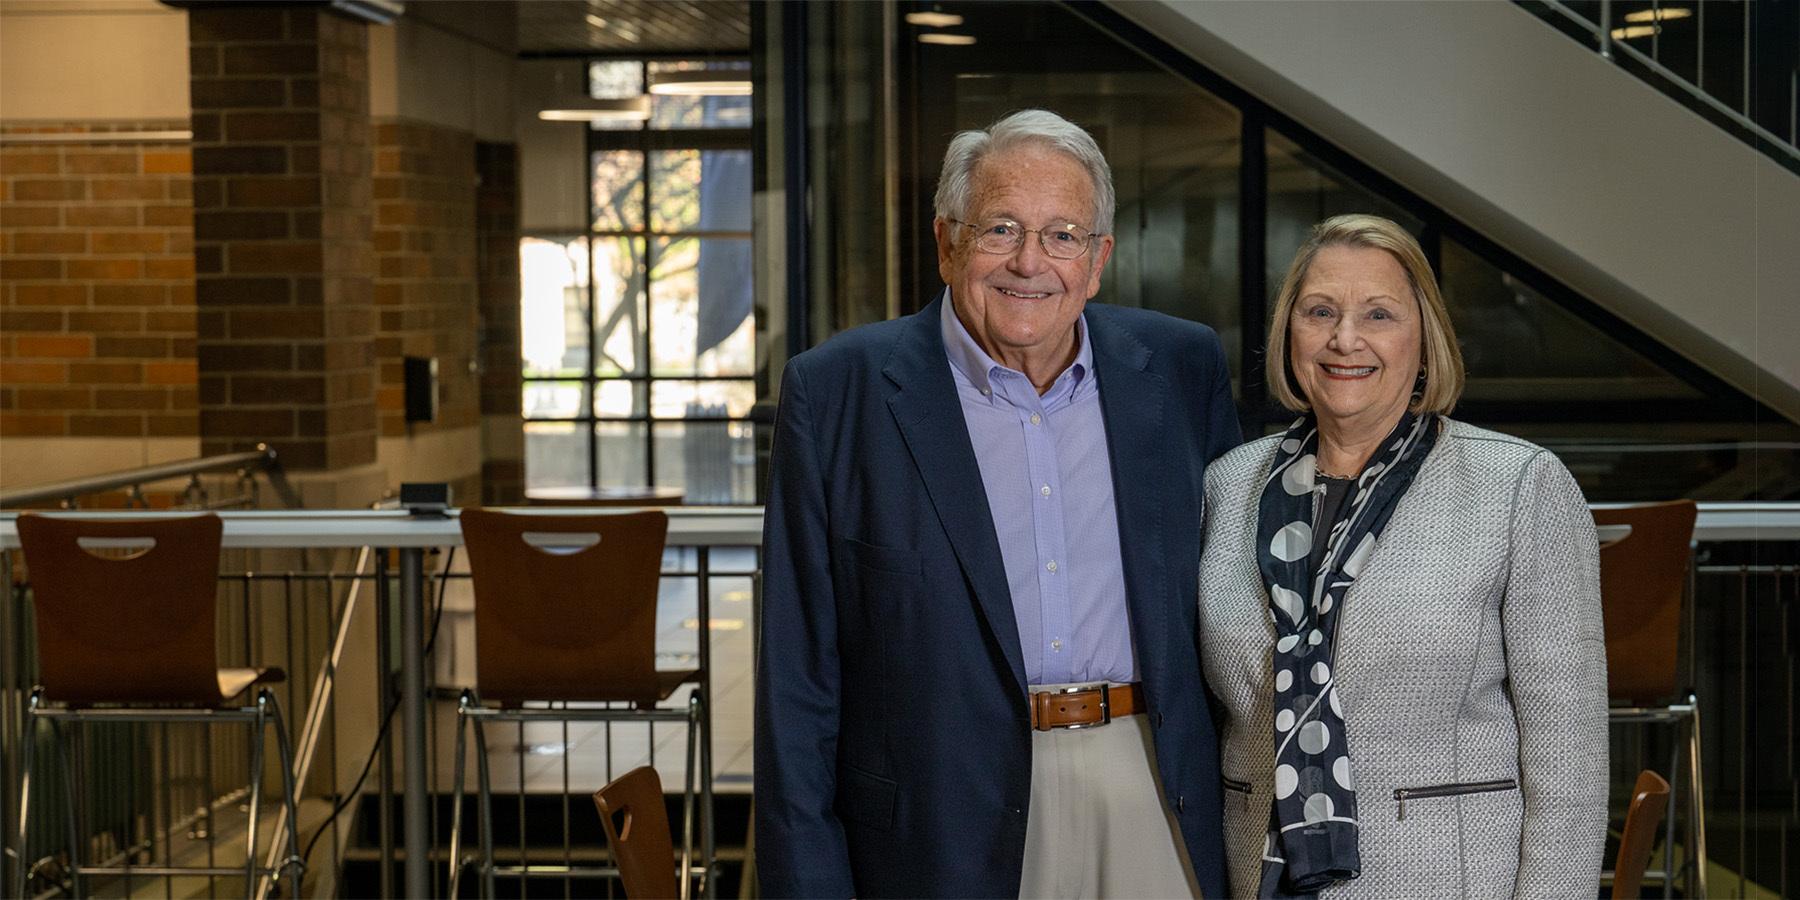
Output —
(979, 673)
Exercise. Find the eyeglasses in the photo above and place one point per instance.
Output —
(1004, 237)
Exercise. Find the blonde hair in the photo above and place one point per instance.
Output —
(1442, 361)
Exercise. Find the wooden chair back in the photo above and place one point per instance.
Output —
(1649, 801)
(1643, 578)
(637, 828)
(566, 622)
(127, 610)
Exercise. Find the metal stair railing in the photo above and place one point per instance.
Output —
(1611, 42)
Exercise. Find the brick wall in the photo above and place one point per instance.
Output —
(97, 308)
(281, 195)
(425, 283)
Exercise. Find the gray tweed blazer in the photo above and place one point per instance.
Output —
(1470, 659)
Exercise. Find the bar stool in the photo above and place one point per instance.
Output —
(132, 637)
(637, 829)
(1643, 580)
(565, 611)
(1648, 798)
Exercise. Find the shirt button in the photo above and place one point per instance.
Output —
(987, 392)
(1035, 418)
(1045, 490)
(1051, 565)
(1056, 645)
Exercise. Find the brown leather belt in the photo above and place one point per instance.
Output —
(1086, 706)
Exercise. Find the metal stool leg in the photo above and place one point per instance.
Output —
(27, 753)
(708, 846)
(1669, 870)
(456, 806)
(294, 861)
(71, 782)
(1697, 798)
(687, 795)
(258, 723)
(486, 803)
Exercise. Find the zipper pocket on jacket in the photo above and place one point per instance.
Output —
(1401, 795)
(1232, 784)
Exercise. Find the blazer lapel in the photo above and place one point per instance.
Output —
(1131, 401)
(930, 418)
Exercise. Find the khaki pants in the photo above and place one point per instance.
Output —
(1098, 826)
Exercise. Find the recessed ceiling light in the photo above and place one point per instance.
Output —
(947, 40)
(701, 83)
(596, 21)
(934, 19)
(1661, 14)
(624, 109)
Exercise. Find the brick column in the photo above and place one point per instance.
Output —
(497, 246)
(282, 245)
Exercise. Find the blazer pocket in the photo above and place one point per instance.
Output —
(1237, 791)
(866, 798)
(1403, 796)
(895, 560)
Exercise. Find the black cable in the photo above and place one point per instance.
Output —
(387, 721)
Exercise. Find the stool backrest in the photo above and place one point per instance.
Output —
(565, 622)
(1643, 578)
(637, 829)
(137, 625)
(1649, 801)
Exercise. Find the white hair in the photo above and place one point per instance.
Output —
(1028, 126)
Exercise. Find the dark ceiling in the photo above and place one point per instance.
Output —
(634, 26)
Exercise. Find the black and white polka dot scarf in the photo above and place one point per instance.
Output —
(1312, 839)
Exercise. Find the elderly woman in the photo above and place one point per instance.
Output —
(1401, 613)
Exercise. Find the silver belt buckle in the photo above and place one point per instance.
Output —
(1105, 704)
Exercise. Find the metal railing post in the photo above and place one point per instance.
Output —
(1604, 35)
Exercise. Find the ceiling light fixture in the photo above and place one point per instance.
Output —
(934, 19)
(1634, 31)
(947, 40)
(624, 109)
(701, 83)
(596, 21)
(1661, 14)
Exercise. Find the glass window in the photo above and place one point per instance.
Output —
(1519, 345)
(659, 287)
(1174, 149)
(1304, 191)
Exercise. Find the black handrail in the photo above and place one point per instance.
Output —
(263, 459)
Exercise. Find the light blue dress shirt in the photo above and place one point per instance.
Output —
(1048, 476)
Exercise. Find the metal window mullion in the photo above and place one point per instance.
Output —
(650, 254)
(590, 387)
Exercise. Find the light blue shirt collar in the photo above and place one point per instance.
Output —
(977, 367)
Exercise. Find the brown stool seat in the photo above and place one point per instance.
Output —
(1637, 838)
(127, 616)
(1643, 589)
(637, 828)
(565, 612)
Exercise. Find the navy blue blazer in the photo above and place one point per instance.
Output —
(893, 744)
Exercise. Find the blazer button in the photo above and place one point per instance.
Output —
(1159, 720)
(1181, 803)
